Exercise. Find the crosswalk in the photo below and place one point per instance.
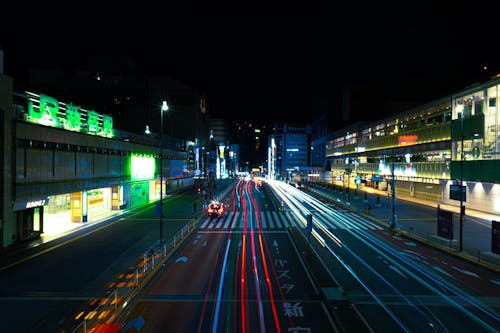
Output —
(281, 220)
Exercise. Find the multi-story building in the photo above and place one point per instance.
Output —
(64, 164)
(252, 139)
(475, 146)
(422, 149)
(414, 144)
(288, 151)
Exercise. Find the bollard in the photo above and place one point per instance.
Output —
(174, 240)
(152, 262)
(116, 298)
(165, 249)
(136, 277)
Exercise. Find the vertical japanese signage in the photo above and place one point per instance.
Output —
(445, 224)
(48, 111)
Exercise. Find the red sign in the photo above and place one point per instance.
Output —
(406, 140)
(445, 224)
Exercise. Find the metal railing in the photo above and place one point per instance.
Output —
(108, 309)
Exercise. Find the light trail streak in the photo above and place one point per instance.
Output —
(341, 220)
(264, 262)
(243, 270)
(269, 285)
(254, 263)
(219, 294)
(371, 292)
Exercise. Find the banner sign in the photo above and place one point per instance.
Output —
(445, 224)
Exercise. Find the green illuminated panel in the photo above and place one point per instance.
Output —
(73, 117)
(93, 121)
(47, 111)
(107, 125)
(142, 167)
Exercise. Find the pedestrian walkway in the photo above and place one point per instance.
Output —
(488, 217)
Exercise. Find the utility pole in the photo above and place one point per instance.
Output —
(394, 217)
(462, 208)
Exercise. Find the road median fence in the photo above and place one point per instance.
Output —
(103, 315)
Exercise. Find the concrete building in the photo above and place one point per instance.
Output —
(288, 151)
(63, 165)
(428, 150)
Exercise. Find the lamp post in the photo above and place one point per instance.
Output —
(164, 107)
(393, 189)
(462, 208)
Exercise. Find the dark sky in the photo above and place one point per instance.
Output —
(272, 61)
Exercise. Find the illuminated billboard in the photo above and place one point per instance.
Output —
(142, 167)
(48, 111)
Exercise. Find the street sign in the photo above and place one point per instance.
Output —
(445, 224)
(309, 219)
(455, 192)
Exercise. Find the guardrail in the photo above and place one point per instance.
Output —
(102, 316)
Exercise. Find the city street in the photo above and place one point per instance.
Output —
(45, 286)
(238, 278)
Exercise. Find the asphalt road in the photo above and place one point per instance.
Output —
(395, 284)
(44, 287)
(239, 273)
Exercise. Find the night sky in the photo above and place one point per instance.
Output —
(276, 62)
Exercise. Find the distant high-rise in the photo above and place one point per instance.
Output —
(288, 149)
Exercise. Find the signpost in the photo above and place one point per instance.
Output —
(309, 219)
(445, 223)
(455, 192)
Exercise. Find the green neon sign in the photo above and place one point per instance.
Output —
(93, 121)
(107, 125)
(73, 117)
(48, 111)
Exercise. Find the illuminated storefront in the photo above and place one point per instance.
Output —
(476, 145)
(414, 146)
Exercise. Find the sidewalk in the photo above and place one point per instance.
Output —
(456, 209)
(417, 219)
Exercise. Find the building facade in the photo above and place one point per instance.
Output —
(427, 149)
(64, 165)
(288, 151)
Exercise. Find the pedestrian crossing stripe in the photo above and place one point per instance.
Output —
(276, 219)
(271, 224)
(283, 220)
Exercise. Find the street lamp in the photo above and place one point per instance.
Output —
(393, 190)
(164, 107)
(462, 208)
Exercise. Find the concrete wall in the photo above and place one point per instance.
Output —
(7, 217)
